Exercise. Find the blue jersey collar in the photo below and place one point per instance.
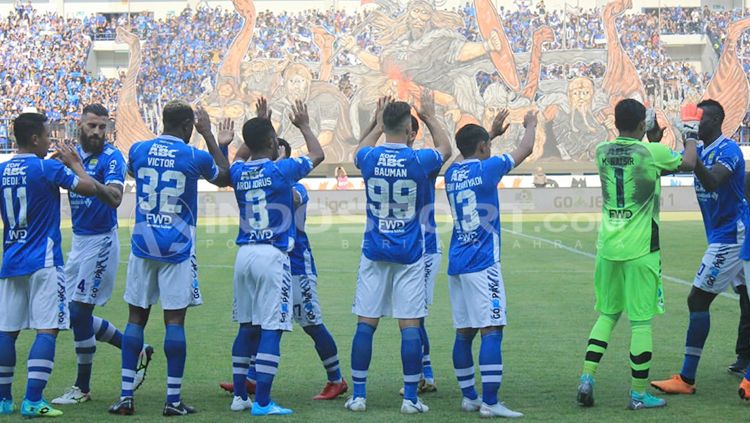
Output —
(163, 137)
(395, 145)
(24, 155)
(715, 144)
(259, 161)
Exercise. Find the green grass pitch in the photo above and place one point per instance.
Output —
(548, 278)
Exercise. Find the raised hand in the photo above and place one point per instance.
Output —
(656, 133)
(299, 116)
(65, 153)
(530, 120)
(382, 103)
(498, 124)
(262, 110)
(226, 132)
(202, 121)
(426, 105)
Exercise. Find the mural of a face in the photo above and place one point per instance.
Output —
(495, 100)
(420, 14)
(581, 94)
(297, 82)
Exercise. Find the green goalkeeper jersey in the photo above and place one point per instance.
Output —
(630, 172)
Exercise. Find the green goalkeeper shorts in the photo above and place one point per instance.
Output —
(632, 286)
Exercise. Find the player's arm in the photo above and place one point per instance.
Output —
(375, 130)
(297, 198)
(690, 156)
(439, 135)
(86, 185)
(110, 194)
(715, 177)
(203, 126)
(526, 147)
(301, 120)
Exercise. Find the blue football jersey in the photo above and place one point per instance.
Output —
(90, 215)
(395, 178)
(725, 211)
(471, 186)
(30, 204)
(301, 257)
(263, 190)
(429, 228)
(166, 172)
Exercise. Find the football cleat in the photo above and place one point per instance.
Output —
(739, 367)
(124, 406)
(144, 361)
(674, 385)
(644, 400)
(229, 387)
(272, 409)
(744, 390)
(73, 395)
(332, 390)
(238, 404)
(7, 407)
(38, 409)
(585, 396)
(356, 404)
(177, 409)
(498, 410)
(410, 407)
(471, 405)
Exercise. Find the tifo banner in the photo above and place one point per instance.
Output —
(400, 49)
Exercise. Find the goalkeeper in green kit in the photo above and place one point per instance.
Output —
(628, 264)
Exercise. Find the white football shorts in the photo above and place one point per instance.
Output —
(478, 299)
(91, 269)
(721, 267)
(36, 301)
(390, 289)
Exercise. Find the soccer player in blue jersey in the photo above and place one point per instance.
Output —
(476, 284)
(160, 267)
(263, 287)
(32, 284)
(305, 306)
(719, 186)
(391, 280)
(91, 270)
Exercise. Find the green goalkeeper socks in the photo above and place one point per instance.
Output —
(641, 345)
(598, 341)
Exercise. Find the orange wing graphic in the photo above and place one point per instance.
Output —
(729, 85)
(489, 22)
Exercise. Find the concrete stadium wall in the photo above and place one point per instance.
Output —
(512, 201)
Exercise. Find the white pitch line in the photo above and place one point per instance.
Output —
(593, 256)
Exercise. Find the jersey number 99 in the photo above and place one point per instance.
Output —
(402, 195)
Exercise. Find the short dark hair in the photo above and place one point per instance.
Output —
(27, 125)
(395, 115)
(257, 132)
(96, 109)
(287, 148)
(469, 137)
(176, 112)
(414, 124)
(629, 114)
(718, 108)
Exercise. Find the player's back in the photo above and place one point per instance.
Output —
(166, 172)
(31, 213)
(90, 215)
(471, 186)
(630, 173)
(300, 256)
(263, 190)
(395, 176)
(725, 211)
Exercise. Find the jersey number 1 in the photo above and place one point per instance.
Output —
(620, 186)
(16, 221)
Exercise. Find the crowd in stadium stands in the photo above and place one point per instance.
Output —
(44, 55)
